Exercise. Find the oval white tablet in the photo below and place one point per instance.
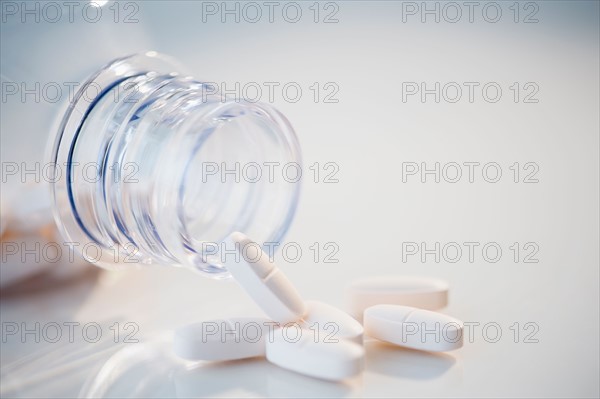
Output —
(332, 323)
(413, 328)
(419, 292)
(231, 339)
(262, 280)
(297, 350)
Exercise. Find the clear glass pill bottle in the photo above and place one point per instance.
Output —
(154, 167)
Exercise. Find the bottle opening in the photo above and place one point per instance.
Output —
(178, 169)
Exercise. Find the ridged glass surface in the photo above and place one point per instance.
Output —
(141, 155)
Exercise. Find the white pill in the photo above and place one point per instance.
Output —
(331, 322)
(263, 281)
(297, 350)
(231, 339)
(413, 328)
(420, 292)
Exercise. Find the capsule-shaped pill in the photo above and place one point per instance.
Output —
(419, 292)
(297, 350)
(223, 339)
(263, 281)
(413, 328)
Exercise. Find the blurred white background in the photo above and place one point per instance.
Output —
(369, 57)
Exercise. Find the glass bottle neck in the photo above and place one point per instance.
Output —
(169, 154)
